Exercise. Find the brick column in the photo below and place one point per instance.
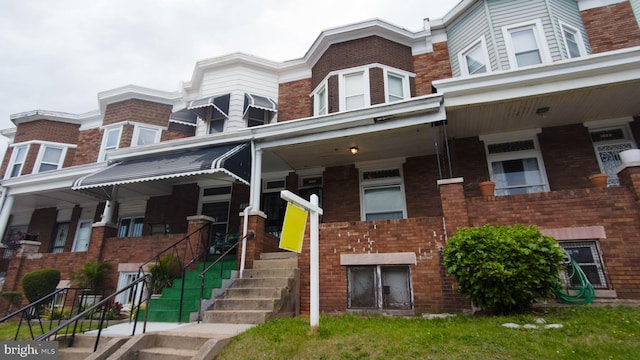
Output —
(630, 178)
(255, 245)
(199, 231)
(99, 233)
(454, 204)
(16, 262)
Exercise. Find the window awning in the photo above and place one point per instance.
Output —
(259, 102)
(234, 160)
(201, 106)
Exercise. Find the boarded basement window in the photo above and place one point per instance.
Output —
(379, 287)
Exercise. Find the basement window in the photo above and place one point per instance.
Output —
(379, 287)
(587, 255)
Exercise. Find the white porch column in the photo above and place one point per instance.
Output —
(107, 213)
(7, 204)
(256, 180)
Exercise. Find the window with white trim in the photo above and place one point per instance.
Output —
(320, 103)
(396, 87)
(526, 44)
(130, 295)
(379, 287)
(382, 194)
(354, 90)
(587, 254)
(215, 202)
(516, 166)
(110, 141)
(609, 138)
(143, 135)
(573, 42)
(50, 158)
(18, 157)
(474, 59)
(257, 116)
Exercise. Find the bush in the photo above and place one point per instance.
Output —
(14, 298)
(163, 272)
(39, 283)
(92, 275)
(504, 268)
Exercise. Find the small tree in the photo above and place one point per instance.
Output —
(163, 272)
(503, 268)
(91, 275)
(38, 283)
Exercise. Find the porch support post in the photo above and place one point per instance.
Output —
(107, 213)
(7, 204)
(256, 180)
(454, 205)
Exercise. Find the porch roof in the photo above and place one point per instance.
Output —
(233, 160)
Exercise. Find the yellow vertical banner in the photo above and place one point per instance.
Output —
(295, 222)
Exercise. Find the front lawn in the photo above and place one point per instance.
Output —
(587, 332)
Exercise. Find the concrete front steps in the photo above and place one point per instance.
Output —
(271, 289)
(83, 346)
(165, 308)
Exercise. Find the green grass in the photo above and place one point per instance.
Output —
(8, 329)
(587, 333)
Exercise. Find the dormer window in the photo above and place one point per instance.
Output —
(214, 110)
(526, 44)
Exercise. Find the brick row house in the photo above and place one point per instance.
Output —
(392, 129)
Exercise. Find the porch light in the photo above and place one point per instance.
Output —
(354, 150)
(542, 111)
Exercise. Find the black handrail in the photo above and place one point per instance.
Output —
(182, 262)
(141, 281)
(206, 270)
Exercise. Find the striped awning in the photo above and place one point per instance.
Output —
(218, 103)
(233, 160)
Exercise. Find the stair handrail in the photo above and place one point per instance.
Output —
(141, 281)
(206, 270)
(32, 310)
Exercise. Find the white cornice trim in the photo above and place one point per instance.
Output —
(32, 115)
(592, 4)
(49, 180)
(129, 92)
(419, 42)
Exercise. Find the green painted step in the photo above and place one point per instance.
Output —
(165, 308)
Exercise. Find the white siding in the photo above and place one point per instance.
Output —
(488, 18)
(568, 12)
(635, 6)
(466, 31)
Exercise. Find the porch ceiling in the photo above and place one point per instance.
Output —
(567, 107)
(403, 142)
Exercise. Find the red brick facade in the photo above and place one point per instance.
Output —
(290, 104)
(611, 27)
(431, 66)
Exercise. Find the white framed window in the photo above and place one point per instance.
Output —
(382, 193)
(587, 254)
(474, 59)
(216, 124)
(379, 287)
(396, 86)
(515, 164)
(130, 226)
(320, 100)
(18, 157)
(257, 116)
(526, 44)
(50, 158)
(573, 42)
(110, 141)
(130, 296)
(145, 135)
(354, 90)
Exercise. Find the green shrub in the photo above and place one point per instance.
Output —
(14, 298)
(91, 275)
(163, 272)
(38, 283)
(503, 268)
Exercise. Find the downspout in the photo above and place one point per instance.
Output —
(4, 218)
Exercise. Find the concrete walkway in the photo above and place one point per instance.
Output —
(213, 329)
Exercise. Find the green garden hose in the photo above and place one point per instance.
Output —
(585, 294)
